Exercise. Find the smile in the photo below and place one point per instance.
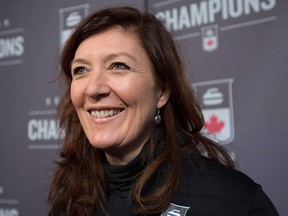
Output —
(105, 113)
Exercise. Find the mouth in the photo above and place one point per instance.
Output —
(100, 114)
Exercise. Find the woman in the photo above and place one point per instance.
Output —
(133, 129)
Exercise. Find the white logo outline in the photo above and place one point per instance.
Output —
(175, 210)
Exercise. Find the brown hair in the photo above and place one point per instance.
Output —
(79, 186)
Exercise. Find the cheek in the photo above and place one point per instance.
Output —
(136, 93)
(75, 94)
(144, 99)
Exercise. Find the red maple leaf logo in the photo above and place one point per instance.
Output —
(214, 126)
(210, 42)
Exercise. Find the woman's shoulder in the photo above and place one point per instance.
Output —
(225, 190)
(215, 176)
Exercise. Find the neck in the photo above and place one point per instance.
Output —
(121, 178)
(122, 156)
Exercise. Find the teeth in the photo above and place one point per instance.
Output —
(104, 113)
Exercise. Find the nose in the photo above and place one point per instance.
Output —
(97, 86)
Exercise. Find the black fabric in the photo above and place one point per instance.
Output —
(208, 189)
(121, 179)
(212, 189)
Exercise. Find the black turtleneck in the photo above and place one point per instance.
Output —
(121, 179)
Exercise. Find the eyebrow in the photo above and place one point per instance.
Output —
(79, 61)
(115, 55)
(107, 58)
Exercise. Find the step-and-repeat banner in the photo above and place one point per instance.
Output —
(236, 56)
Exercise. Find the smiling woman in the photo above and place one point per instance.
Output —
(114, 93)
(133, 129)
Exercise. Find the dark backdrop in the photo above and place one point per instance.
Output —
(235, 52)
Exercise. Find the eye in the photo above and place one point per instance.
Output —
(79, 70)
(119, 66)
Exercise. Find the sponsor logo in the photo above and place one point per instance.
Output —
(216, 100)
(69, 18)
(11, 44)
(175, 210)
(8, 207)
(199, 19)
(210, 38)
(42, 127)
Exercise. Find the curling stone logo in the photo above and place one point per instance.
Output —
(175, 210)
(217, 107)
(70, 18)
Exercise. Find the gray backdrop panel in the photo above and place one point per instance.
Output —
(239, 51)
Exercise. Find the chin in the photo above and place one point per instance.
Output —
(101, 145)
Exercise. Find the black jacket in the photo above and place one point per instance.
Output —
(211, 189)
(206, 189)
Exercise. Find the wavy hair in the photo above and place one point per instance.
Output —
(79, 186)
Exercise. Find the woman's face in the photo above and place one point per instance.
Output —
(114, 93)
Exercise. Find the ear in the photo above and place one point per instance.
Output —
(164, 96)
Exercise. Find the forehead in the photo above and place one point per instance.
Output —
(113, 38)
(112, 44)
